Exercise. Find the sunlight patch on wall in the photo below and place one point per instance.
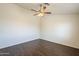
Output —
(63, 31)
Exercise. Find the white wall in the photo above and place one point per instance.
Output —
(62, 29)
(17, 25)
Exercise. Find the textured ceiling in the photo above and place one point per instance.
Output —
(55, 8)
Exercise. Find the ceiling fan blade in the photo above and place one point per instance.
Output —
(47, 4)
(47, 12)
(41, 7)
(27, 8)
(35, 14)
(34, 10)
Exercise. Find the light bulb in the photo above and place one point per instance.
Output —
(41, 14)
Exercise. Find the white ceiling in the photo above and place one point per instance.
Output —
(55, 8)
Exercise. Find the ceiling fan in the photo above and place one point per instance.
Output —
(42, 11)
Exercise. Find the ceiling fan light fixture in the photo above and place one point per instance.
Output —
(40, 14)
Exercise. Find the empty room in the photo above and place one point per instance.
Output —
(39, 29)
